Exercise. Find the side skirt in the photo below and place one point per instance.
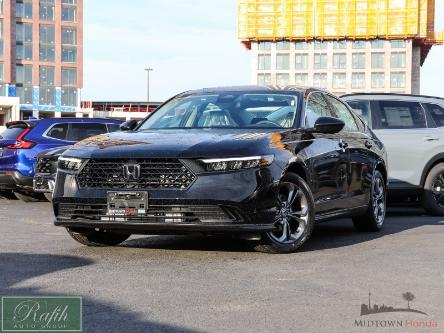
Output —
(349, 212)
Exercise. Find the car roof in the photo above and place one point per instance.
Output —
(386, 96)
(34, 122)
(255, 89)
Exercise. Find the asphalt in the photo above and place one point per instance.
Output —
(199, 284)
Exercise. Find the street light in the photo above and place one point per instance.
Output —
(148, 70)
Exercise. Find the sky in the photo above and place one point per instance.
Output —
(189, 44)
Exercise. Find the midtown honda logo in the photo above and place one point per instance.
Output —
(370, 309)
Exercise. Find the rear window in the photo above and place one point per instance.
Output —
(58, 132)
(399, 115)
(362, 109)
(11, 133)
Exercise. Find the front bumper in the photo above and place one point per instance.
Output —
(14, 180)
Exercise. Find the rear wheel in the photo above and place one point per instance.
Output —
(373, 219)
(433, 196)
(92, 237)
(294, 220)
(28, 197)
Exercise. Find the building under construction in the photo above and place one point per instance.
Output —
(345, 46)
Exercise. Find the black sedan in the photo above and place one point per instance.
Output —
(263, 164)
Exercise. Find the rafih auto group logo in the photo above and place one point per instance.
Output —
(369, 309)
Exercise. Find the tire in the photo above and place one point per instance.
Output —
(91, 237)
(48, 196)
(373, 219)
(7, 195)
(295, 220)
(433, 199)
(28, 197)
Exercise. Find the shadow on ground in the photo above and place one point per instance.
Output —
(97, 317)
(328, 235)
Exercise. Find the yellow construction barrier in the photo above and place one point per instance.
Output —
(336, 19)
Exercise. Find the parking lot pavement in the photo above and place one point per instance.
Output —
(198, 284)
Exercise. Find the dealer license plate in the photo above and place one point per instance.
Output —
(127, 204)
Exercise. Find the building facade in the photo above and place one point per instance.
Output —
(342, 67)
(41, 56)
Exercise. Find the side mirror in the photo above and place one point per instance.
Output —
(328, 125)
(129, 125)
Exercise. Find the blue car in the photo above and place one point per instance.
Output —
(23, 140)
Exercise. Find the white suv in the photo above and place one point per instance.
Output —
(412, 130)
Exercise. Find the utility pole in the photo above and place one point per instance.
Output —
(148, 70)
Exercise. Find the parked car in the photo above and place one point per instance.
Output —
(23, 140)
(411, 128)
(265, 164)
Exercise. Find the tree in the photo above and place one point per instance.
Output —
(409, 297)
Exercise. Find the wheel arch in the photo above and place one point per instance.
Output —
(439, 158)
(300, 169)
(380, 166)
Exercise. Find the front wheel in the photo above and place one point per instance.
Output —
(294, 220)
(373, 219)
(91, 237)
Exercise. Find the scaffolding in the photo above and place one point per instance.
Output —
(337, 19)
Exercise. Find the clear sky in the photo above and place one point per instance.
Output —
(189, 43)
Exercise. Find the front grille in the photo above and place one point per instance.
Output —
(154, 173)
(160, 213)
(46, 165)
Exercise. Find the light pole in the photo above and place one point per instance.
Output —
(148, 70)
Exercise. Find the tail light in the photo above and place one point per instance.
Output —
(21, 143)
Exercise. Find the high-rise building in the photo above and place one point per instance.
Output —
(345, 46)
(41, 58)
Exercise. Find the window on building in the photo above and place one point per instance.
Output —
(283, 45)
(24, 41)
(24, 87)
(397, 80)
(378, 60)
(339, 60)
(47, 10)
(318, 45)
(301, 79)
(264, 62)
(341, 44)
(320, 80)
(397, 60)
(1, 39)
(69, 77)
(358, 80)
(23, 8)
(69, 45)
(69, 12)
(339, 80)
(47, 88)
(264, 79)
(358, 44)
(320, 61)
(283, 62)
(282, 79)
(358, 60)
(398, 44)
(301, 61)
(47, 43)
(69, 87)
(1, 7)
(377, 44)
(264, 46)
(1, 72)
(378, 80)
(69, 96)
(301, 45)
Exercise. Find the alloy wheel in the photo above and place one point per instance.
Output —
(438, 189)
(292, 216)
(378, 197)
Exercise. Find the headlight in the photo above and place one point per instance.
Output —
(239, 163)
(69, 163)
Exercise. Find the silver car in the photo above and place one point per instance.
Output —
(412, 130)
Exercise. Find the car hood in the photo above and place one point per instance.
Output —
(190, 143)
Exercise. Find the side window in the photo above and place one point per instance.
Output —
(399, 115)
(343, 113)
(113, 127)
(80, 131)
(58, 132)
(437, 113)
(316, 107)
(362, 109)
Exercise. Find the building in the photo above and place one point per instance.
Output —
(119, 110)
(345, 46)
(41, 57)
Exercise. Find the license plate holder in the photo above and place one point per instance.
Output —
(127, 204)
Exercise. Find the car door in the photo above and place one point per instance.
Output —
(360, 161)
(327, 159)
(402, 127)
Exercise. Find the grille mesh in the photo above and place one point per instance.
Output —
(154, 173)
(46, 165)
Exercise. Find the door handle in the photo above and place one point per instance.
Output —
(368, 144)
(429, 138)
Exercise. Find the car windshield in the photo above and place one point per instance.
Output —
(225, 110)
